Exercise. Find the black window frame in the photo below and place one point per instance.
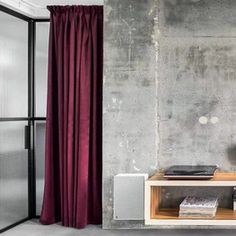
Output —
(31, 112)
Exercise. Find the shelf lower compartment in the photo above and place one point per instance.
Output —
(173, 214)
(169, 217)
(155, 215)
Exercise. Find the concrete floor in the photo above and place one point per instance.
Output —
(33, 228)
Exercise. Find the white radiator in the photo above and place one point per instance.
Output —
(129, 196)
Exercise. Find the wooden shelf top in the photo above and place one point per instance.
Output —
(219, 179)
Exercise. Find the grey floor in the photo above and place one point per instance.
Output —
(33, 228)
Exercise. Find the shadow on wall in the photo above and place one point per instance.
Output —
(231, 154)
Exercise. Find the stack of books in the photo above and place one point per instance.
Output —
(198, 207)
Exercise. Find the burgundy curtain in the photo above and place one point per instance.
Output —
(73, 174)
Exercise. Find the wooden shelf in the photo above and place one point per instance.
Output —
(154, 215)
(220, 179)
(173, 214)
(169, 217)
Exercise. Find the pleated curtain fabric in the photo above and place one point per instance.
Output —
(73, 160)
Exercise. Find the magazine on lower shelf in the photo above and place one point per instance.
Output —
(198, 207)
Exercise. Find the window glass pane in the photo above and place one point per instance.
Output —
(13, 173)
(39, 159)
(41, 67)
(13, 66)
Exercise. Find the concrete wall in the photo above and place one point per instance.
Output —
(130, 95)
(167, 64)
(197, 69)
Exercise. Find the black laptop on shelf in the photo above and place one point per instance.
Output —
(190, 172)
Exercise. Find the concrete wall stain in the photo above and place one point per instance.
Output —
(198, 17)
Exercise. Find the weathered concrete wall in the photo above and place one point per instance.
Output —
(130, 95)
(197, 18)
(167, 63)
(197, 78)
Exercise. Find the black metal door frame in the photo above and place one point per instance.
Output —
(31, 113)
